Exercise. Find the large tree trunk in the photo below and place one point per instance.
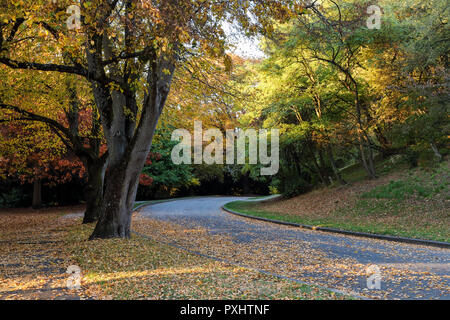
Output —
(127, 152)
(37, 194)
(121, 183)
(128, 136)
(115, 221)
(94, 190)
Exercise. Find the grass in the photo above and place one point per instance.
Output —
(356, 172)
(411, 186)
(408, 203)
(258, 197)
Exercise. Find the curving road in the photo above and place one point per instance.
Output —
(335, 261)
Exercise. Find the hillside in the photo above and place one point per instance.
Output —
(402, 202)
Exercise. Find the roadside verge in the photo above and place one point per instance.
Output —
(431, 243)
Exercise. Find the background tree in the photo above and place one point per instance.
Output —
(336, 88)
(57, 103)
(29, 155)
(161, 178)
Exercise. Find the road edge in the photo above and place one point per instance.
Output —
(430, 243)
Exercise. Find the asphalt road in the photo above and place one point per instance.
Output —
(335, 261)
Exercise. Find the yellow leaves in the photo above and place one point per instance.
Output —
(60, 14)
(42, 32)
(299, 8)
(87, 4)
(266, 256)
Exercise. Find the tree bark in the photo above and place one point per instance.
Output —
(128, 147)
(94, 190)
(115, 220)
(37, 194)
(436, 151)
(121, 183)
(335, 168)
(373, 173)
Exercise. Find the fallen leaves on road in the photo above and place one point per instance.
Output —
(295, 259)
(37, 247)
(140, 268)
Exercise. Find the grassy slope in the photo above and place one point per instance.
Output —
(402, 202)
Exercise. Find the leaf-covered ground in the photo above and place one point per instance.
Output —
(410, 203)
(333, 263)
(37, 247)
(33, 261)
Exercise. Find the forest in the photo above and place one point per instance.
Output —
(89, 97)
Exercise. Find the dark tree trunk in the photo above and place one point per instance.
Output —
(129, 140)
(94, 190)
(121, 183)
(366, 160)
(125, 163)
(115, 221)
(245, 184)
(37, 194)
(335, 168)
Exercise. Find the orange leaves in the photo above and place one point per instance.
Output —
(31, 152)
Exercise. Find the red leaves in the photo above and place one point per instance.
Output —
(145, 180)
(153, 156)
